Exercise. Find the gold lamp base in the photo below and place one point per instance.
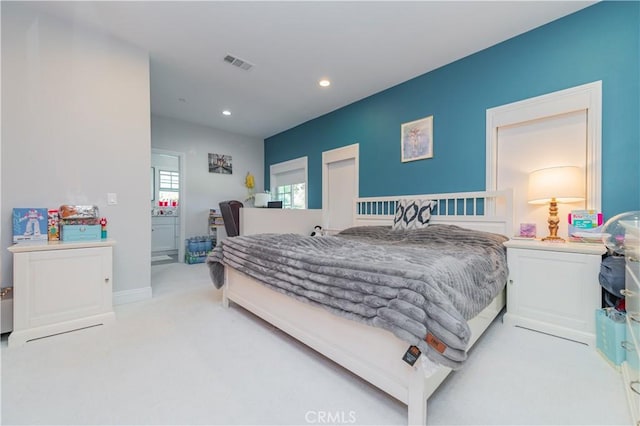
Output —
(552, 238)
(553, 221)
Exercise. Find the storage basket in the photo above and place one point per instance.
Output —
(610, 334)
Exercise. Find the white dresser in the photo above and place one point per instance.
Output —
(631, 367)
(554, 288)
(60, 287)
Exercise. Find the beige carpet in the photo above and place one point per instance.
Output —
(180, 358)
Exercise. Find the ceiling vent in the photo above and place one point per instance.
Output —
(240, 63)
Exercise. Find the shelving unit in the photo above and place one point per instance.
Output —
(215, 222)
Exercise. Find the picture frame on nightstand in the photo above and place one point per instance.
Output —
(527, 230)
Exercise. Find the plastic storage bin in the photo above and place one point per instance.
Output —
(198, 248)
(610, 333)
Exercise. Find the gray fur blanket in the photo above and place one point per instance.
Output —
(422, 285)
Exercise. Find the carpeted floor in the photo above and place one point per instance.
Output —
(180, 358)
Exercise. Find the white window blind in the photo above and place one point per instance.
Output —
(169, 181)
(289, 172)
(287, 176)
(291, 177)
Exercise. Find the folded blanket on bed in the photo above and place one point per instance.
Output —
(422, 285)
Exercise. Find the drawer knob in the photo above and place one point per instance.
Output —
(632, 385)
(106, 280)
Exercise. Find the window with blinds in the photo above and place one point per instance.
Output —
(169, 181)
(289, 183)
(169, 186)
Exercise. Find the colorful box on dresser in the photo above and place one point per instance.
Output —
(80, 223)
(80, 232)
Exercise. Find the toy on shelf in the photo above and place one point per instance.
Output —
(30, 224)
(103, 228)
(53, 225)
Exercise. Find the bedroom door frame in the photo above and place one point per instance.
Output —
(586, 97)
(335, 155)
(182, 167)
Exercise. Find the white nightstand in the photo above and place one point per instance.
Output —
(554, 288)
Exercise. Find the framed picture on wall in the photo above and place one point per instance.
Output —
(416, 141)
(220, 163)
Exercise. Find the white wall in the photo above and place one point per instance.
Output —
(76, 126)
(524, 147)
(279, 221)
(204, 190)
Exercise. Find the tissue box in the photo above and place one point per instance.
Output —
(585, 226)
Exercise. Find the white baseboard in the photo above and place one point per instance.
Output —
(130, 296)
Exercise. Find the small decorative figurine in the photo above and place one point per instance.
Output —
(103, 229)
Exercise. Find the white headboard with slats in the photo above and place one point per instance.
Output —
(490, 211)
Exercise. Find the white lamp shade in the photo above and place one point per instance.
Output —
(566, 184)
(261, 199)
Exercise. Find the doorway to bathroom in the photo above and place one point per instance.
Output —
(167, 203)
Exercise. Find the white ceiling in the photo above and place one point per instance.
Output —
(363, 47)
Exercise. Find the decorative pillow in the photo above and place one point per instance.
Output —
(412, 214)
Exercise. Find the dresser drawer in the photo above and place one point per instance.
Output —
(631, 372)
(631, 347)
(632, 299)
(632, 267)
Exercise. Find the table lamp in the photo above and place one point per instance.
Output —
(553, 185)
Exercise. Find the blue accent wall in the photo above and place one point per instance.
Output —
(601, 42)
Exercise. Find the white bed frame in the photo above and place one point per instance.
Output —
(373, 353)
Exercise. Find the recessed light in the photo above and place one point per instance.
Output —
(226, 112)
(324, 82)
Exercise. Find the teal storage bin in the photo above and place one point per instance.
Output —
(610, 333)
(80, 232)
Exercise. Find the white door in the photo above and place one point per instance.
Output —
(339, 187)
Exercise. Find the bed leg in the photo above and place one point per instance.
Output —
(417, 406)
(225, 299)
(225, 289)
